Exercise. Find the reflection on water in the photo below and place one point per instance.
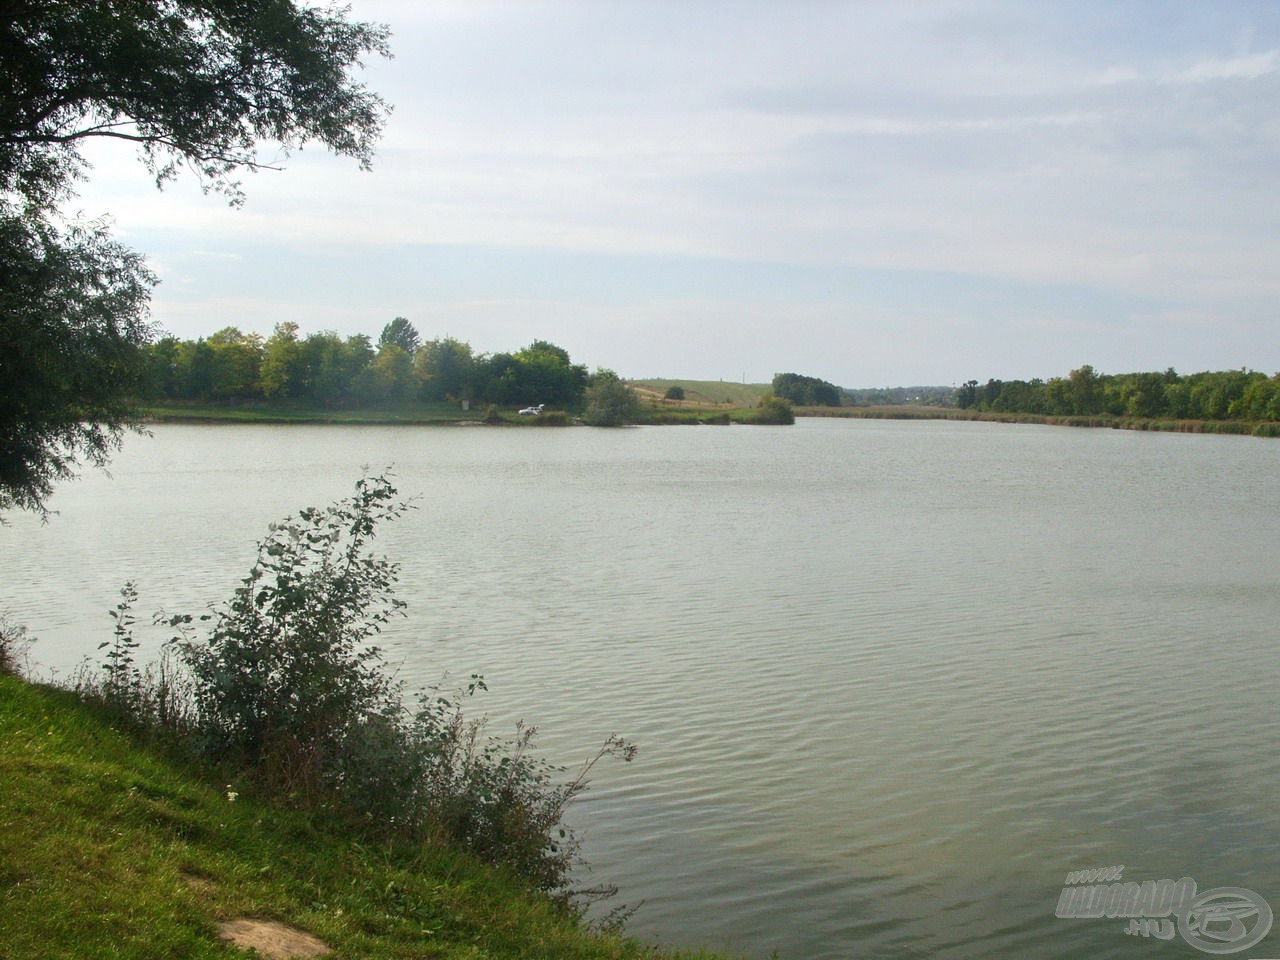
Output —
(890, 681)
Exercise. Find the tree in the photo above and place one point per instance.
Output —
(73, 310)
(674, 393)
(281, 371)
(546, 375)
(1085, 390)
(445, 368)
(392, 372)
(610, 402)
(237, 359)
(196, 84)
(401, 333)
(806, 391)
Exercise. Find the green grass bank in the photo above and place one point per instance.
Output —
(109, 848)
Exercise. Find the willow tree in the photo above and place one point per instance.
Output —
(197, 85)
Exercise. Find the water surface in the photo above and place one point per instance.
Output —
(890, 681)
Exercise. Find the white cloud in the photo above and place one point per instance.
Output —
(1236, 68)
(1038, 147)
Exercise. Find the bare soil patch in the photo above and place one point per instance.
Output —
(273, 940)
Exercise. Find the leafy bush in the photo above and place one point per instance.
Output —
(610, 402)
(286, 673)
(674, 393)
(772, 410)
(288, 695)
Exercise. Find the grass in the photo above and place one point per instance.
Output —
(110, 849)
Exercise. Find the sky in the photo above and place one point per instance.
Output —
(877, 193)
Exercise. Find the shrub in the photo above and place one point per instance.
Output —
(289, 693)
(772, 410)
(286, 673)
(610, 402)
(674, 393)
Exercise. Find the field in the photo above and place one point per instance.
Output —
(720, 394)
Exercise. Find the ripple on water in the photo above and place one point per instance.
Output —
(890, 681)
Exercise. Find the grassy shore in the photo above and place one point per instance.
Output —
(1236, 427)
(108, 848)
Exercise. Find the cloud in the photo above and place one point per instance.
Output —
(1237, 68)
(1122, 148)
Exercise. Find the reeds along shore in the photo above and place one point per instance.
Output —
(1264, 428)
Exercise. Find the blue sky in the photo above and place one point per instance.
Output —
(877, 193)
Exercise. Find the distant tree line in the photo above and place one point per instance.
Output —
(899, 396)
(328, 370)
(805, 391)
(1217, 395)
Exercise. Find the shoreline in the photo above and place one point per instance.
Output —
(666, 417)
(1253, 428)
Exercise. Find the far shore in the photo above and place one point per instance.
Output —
(664, 414)
(1163, 424)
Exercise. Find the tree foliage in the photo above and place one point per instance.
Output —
(610, 402)
(401, 333)
(327, 370)
(196, 84)
(73, 309)
(806, 391)
(1210, 395)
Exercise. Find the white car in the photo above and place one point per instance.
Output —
(532, 411)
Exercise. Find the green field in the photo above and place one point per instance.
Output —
(107, 848)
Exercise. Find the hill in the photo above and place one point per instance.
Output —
(717, 393)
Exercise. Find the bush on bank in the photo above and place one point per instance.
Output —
(282, 688)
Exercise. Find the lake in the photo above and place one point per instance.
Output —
(891, 681)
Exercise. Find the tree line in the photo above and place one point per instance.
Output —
(1210, 395)
(328, 370)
